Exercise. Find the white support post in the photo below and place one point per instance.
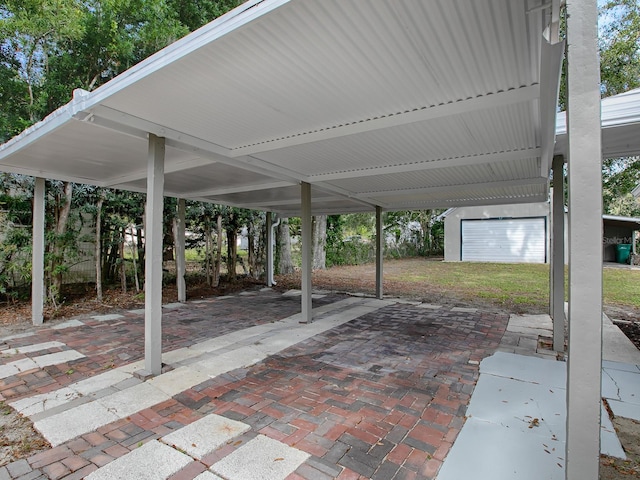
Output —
(556, 269)
(153, 257)
(37, 259)
(379, 253)
(585, 242)
(269, 266)
(306, 252)
(181, 266)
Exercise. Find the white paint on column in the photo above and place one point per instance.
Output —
(153, 257)
(379, 254)
(37, 262)
(585, 242)
(180, 251)
(557, 255)
(269, 260)
(306, 252)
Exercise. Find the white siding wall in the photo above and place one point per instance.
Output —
(518, 240)
(453, 224)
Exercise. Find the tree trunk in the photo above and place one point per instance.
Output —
(319, 242)
(218, 251)
(232, 253)
(283, 248)
(98, 249)
(123, 267)
(140, 248)
(135, 266)
(61, 229)
(207, 251)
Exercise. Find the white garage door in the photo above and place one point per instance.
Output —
(514, 240)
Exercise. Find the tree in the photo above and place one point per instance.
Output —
(619, 46)
(319, 234)
(284, 262)
(32, 30)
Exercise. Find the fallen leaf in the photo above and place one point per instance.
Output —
(279, 459)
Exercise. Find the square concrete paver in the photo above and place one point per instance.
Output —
(152, 461)
(205, 435)
(208, 476)
(261, 459)
(108, 317)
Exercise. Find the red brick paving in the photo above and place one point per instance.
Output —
(381, 397)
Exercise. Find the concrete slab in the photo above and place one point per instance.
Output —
(178, 380)
(464, 309)
(108, 317)
(430, 306)
(208, 476)
(627, 384)
(485, 450)
(44, 401)
(529, 369)
(516, 404)
(57, 358)
(616, 346)
(10, 369)
(152, 461)
(66, 425)
(626, 410)
(68, 324)
(626, 367)
(203, 436)
(292, 293)
(132, 400)
(609, 442)
(531, 321)
(33, 348)
(99, 382)
(172, 306)
(261, 459)
(137, 311)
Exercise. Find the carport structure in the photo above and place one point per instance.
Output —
(307, 107)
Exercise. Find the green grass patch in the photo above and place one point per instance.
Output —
(515, 284)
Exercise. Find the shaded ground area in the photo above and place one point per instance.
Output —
(382, 396)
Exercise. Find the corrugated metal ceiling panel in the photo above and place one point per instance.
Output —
(382, 98)
(475, 133)
(291, 73)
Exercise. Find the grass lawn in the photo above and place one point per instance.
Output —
(518, 287)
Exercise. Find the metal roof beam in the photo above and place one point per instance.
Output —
(170, 168)
(467, 187)
(492, 100)
(431, 164)
(241, 189)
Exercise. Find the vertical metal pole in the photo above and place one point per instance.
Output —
(557, 254)
(153, 257)
(585, 242)
(269, 266)
(379, 253)
(181, 266)
(306, 252)
(37, 260)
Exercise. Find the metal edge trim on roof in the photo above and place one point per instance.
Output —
(83, 100)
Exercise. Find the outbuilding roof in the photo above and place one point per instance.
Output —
(397, 104)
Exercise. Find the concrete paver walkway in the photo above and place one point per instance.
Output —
(370, 389)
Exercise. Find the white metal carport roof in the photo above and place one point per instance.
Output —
(397, 104)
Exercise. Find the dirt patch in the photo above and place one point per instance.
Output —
(631, 330)
(18, 439)
(615, 468)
